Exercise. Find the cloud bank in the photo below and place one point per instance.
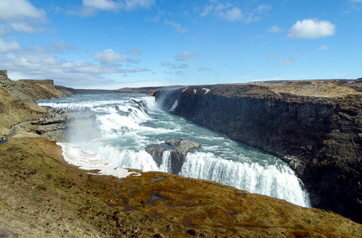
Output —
(312, 29)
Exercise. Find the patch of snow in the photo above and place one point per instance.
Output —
(206, 90)
(173, 106)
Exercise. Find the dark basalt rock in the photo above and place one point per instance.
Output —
(320, 137)
(156, 152)
(179, 149)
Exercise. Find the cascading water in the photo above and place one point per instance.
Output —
(127, 123)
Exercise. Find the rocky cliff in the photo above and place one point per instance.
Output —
(316, 126)
(18, 99)
(43, 196)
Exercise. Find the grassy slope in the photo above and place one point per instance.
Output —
(43, 196)
(13, 110)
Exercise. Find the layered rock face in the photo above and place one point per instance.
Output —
(315, 126)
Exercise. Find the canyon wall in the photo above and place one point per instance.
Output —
(314, 126)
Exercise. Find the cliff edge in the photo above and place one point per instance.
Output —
(43, 196)
(18, 98)
(315, 126)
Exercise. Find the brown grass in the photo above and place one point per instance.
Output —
(42, 196)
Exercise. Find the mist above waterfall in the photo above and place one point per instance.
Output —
(116, 129)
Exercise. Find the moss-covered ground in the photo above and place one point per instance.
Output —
(43, 196)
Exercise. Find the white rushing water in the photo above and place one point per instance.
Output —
(125, 124)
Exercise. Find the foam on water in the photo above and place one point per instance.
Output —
(128, 123)
(255, 178)
(89, 160)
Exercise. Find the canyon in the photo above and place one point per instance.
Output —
(43, 196)
(315, 126)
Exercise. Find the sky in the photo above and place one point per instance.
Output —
(110, 44)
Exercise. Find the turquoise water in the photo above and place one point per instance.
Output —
(127, 123)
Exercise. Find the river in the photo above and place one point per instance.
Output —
(125, 124)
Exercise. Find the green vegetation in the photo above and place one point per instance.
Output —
(46, 196)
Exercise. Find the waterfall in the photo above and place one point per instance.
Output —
(165, 166)
(126, 124)
(255, 178)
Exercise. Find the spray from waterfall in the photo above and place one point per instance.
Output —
(117, 128)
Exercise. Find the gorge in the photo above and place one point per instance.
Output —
(44, 196)
(315, 126)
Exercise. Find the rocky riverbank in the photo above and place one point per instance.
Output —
(315, 126)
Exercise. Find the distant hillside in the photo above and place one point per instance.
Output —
(20, 104)
(148, 90)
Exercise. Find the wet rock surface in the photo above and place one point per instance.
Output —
(178, 151)
(314, 126)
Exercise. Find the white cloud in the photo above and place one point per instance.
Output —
(286, 61)
(358, 1)
(133, 4)
(233, 13)
(275, 29)
(207, 10)
(101, 4)
(19, 10)
(61, 47)
(25, 27)
(272, 56)
(174, 66)
(203, 68)
(177, 26)
(20, 16)
(323, 47)
(8, 46)
(258, 13)
(136, 52)
(37, 63)
(185, 56)
(90, 7)
(109, 56)
(312, 29)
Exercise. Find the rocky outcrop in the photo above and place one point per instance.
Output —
(156, 152)
(315, 126)
(178, 151)
(20, 104)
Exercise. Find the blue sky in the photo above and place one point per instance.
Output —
(132, 43)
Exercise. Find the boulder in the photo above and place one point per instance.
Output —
(178, 154)
(156, 152)
(179, 149)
